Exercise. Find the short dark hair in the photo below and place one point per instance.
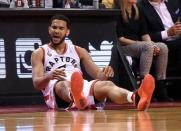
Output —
(61, 17)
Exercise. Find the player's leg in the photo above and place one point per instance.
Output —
(141, 97)
(62, 94)
(77, 84)
(107, 89)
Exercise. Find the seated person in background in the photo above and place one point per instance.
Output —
(86, 2)
(15, 4)
(132, 35)
(4, 3)
(163, 24)
(56, 71)
(108, 3)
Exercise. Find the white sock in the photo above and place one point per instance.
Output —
(129, 97)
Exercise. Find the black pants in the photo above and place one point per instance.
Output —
(174, 58)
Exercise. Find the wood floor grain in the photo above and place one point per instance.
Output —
(155, 119)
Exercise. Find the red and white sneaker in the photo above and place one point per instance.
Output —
(142, 97)
(77, 84)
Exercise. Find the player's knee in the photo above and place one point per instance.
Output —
(61, 86)
(108, 85)
(102, 89)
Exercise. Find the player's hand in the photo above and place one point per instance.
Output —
(58, 74)
(108, 71)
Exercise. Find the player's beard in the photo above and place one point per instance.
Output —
(58, 43)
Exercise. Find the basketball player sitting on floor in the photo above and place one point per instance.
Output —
(56, 72)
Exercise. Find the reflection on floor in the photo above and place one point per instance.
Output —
(109, 106)
(160, 117)
(43, 119)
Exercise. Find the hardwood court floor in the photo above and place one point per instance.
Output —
(155, 119)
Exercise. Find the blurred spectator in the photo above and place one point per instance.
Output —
(16, 3)
(132, 35)
(163, 26)
(65, 3)
(86, 2)
(108, 3)
(53, 3)
(4, 3)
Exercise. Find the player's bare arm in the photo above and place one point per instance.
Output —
(40, 80)
(92, 69)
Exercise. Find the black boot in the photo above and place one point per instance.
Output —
(161, 92)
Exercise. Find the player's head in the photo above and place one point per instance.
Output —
(59, 28)
(61, 17)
